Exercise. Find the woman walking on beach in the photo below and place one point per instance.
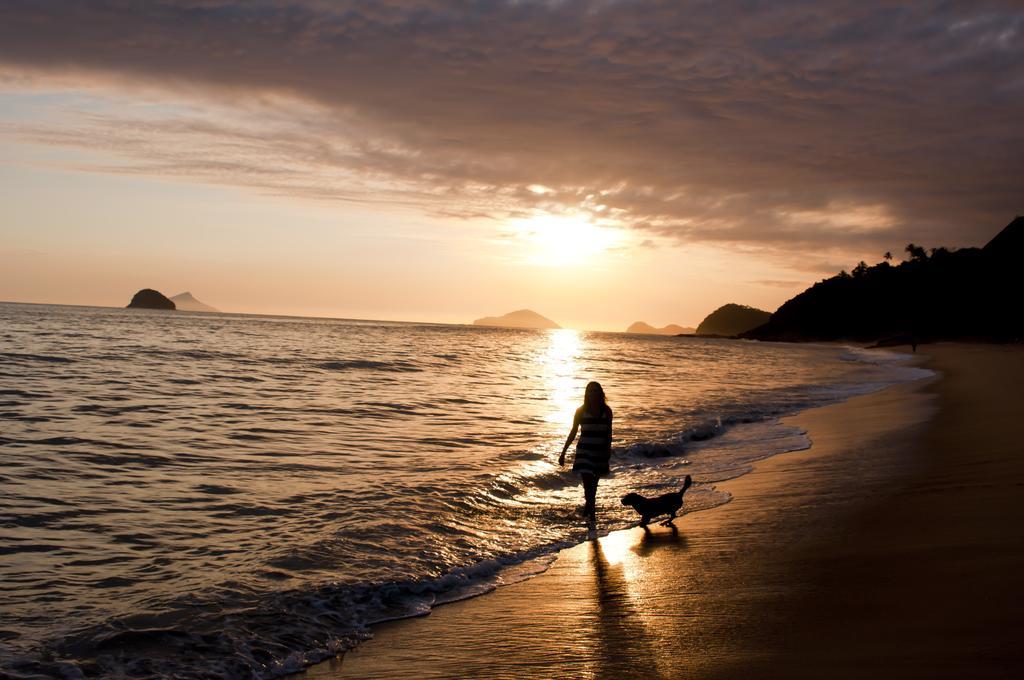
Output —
(594, 449)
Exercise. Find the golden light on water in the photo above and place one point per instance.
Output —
(561, 374)
(558, 380)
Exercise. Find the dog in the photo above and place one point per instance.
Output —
(666, 504)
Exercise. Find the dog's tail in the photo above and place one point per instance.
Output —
(687, 482)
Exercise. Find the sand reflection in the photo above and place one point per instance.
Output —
(653, 540)
(622, 642)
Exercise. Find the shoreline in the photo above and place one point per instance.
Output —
(761, 527)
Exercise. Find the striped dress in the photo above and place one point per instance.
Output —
(595, 445)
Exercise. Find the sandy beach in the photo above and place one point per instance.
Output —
(892, 546)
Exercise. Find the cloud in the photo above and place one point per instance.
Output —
(812, 126)
(782, 283)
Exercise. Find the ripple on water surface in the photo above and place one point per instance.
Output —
(186, 495)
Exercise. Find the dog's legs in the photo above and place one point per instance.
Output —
(668, 522)
(644, 520)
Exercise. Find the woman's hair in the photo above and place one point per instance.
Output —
(593, 398)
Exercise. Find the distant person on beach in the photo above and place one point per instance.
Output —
(594, 449)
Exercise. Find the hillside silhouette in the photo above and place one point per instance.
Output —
(648, 329)
(188, 303)
(732, 319)
(936, 294)
(523, 318)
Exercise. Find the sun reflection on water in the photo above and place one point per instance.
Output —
(561, 374)
(561, 387)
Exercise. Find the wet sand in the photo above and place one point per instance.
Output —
(892, 546)
(930, 583)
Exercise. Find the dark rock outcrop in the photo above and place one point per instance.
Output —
(970, 293)
(732, 319)
(147, 298)
(523, 318)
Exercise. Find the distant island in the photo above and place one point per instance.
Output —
(187, 303)
(147, 298)
(732, 319)
(936, 294)
(523, 318)
(671, 329)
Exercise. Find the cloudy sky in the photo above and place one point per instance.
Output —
(600, 162)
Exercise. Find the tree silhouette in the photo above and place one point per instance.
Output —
(916, 252)
(887, 256)
(940, 293)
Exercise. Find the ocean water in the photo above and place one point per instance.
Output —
(201, 495)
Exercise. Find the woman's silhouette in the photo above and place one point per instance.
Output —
(595, 446)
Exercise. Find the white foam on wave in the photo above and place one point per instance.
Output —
(895, 365)
(422, 525)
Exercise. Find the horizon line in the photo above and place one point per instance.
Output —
(342, 318)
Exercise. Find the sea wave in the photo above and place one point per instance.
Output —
(196, 496)
(238, 633)
(368, 365)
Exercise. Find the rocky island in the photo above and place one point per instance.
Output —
(523, 318)
(732, 319)
(671, 329)
(147, 298)
(187, 303)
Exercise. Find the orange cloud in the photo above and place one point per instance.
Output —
(781, 126)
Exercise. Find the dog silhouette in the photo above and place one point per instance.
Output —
(666, 504)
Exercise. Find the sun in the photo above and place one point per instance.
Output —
(565, 240)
